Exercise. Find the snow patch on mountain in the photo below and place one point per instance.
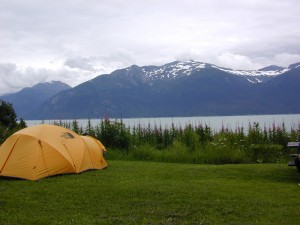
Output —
(255, 72)
(294, 66)
(173, 70)
(185, 68)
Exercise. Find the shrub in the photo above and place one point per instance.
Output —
(222, 154)
(113, 134)
(192, 143)
(8, 121)
(264, 153)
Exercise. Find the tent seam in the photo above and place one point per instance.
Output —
(9, 154)
(88, 152)
(70, 157)
(40, 143)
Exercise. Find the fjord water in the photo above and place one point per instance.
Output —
(291, 121)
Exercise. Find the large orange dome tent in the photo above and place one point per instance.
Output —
(46, 150)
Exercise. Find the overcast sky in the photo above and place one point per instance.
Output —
(75, 40)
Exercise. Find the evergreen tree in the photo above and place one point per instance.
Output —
(8, 117)
(8, 121)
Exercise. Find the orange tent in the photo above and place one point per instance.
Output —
(46, 150)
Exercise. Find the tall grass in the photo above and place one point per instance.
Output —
(192, 143)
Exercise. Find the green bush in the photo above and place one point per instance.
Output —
(264, 153)
(143, 152)
(8, 121)
(222, 154)
(113, 134)
(192, 143)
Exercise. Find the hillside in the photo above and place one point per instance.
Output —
(28, 99)
(178, 89)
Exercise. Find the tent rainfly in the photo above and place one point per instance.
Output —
(46, 150)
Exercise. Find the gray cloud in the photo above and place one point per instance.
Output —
(13, 78)
(80, 63)
(75, 40)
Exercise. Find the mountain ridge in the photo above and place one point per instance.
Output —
(187, 88)
(29, 98)
(175, 89)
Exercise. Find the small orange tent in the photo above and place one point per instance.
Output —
(46, 150)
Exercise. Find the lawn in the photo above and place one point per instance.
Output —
(131, 192)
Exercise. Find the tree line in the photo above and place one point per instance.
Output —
(8, 121)
(192, 143)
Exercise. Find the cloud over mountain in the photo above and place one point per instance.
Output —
(78, 40)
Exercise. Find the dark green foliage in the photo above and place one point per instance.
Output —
(204, 133)
(89, 129)
(113, 134)
(190, 137)
(265, 152)
(8, 117)
(8, 121)
(75, 126)
(22, 123)
(192, 143)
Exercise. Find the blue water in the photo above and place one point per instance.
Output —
(291, 121)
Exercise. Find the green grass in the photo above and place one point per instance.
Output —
(131, 192)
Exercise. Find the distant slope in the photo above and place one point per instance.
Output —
(178, 89)
(281, 94)
(30, 98)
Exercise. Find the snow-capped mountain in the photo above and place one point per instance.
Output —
(186, 88)
(294, 66)
(260, 75)
(266, 71)
(185, 68)
(174, 69)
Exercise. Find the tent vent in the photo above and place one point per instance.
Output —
(67, 135)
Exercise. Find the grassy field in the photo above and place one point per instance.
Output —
(130, 192)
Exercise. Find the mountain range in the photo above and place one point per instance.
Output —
(188, 88)
(30, 98)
